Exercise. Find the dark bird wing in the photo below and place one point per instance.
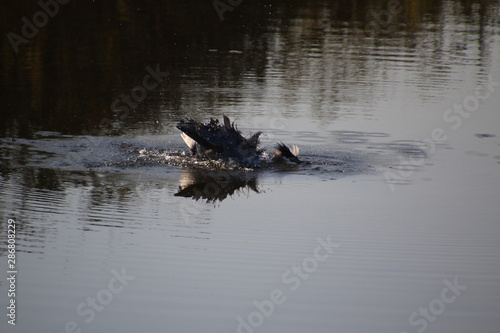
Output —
(224, 140)
(197, 131)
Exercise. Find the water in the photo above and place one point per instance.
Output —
(391, 225)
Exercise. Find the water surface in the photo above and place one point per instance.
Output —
(390, 226)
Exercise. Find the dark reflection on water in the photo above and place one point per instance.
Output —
(215, 186)
(89, 69)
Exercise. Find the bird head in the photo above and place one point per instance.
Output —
(287, 155)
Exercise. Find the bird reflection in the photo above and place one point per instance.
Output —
(214, 186)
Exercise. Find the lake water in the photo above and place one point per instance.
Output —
(391, 225)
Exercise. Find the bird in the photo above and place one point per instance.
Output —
(215, 141)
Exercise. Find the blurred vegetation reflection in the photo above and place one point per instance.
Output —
(86, 67)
